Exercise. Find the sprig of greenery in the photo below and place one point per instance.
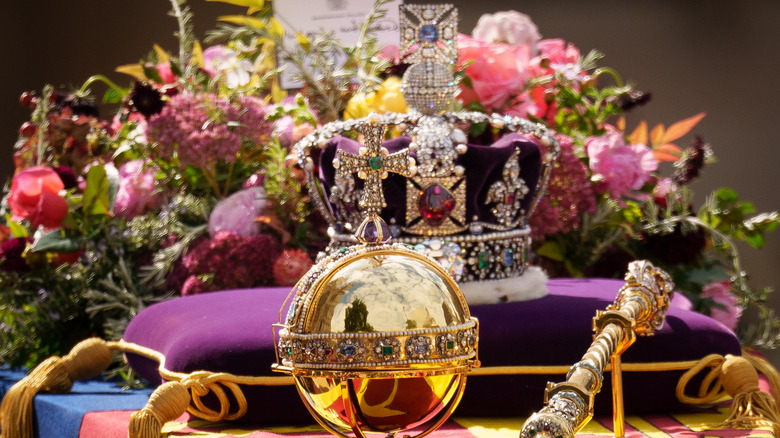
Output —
(181, 12)
(724, 219)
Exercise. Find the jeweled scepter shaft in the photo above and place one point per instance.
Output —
(638, 309)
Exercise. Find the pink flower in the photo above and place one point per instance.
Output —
(219, 59)
(165, 72)
(497, 72)
(555, 57)
(194, 285)
(559, 57)
(137, 191)
(35, 196)
(727, 312)
(204, 128)
(569, 194)
(623, 167)
(508, 27)
(185, 126)
(237, 212)
(663, 187)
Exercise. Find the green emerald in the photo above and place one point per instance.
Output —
(532, 432)
(288, 350)
(375, 163)
(484, 260)
(450, 345)
(387, 350)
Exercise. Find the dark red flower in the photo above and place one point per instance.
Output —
(11, 251)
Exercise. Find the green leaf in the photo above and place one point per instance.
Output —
(755, 239)
(152, 73)
(175, 68)
(96, 195)
(726, 196)
(476, 106)
(112, 175)
(551, 250)
(55, 241)
(17, 229)
(112, 96)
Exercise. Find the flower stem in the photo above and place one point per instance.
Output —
(101, 78)
(601, 70)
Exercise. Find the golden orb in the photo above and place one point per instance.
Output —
(379, 339)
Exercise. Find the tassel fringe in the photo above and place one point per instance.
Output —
(166, 403)
(54, 375)
(736, 376)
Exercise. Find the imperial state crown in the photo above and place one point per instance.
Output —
(464, 204)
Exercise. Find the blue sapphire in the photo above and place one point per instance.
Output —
(429, 33)
(507, 257)
(421, 348)
(348, 350)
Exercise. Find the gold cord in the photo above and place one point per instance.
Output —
(735, 376)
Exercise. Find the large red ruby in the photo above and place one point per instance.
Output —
(435, 204)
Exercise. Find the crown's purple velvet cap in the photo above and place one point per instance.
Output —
(484, 165)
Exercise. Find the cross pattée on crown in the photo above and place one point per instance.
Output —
(428, 33)
(373, 164)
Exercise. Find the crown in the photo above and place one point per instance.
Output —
(465, 205)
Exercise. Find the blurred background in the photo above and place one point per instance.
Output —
(718, 57)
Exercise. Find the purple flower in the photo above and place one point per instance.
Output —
(237, 212)
(623, 167)
(137, 192)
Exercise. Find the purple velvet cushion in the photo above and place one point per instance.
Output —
(230, 332)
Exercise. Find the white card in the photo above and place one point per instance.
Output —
(343, 18)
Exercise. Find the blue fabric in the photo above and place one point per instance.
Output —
(60, 415)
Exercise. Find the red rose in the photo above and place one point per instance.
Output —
(35, 197)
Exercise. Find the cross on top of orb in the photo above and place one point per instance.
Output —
(428, 33)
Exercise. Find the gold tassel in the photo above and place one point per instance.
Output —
(737, 377)
(167, 403)
(55, 375)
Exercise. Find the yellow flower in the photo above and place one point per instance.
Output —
(386, 98)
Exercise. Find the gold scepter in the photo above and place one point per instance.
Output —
(639, 309)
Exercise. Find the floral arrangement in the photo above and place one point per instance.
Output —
(189, 187)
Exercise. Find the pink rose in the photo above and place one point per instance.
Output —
(237, 213)
(559, 54)
(508, 27)
(35, 196)
(623, 167)
(497, 72)
(727, 312)
(137, 191)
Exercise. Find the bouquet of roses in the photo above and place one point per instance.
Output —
(190, 187)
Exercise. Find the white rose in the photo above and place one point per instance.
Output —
(508, 27)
